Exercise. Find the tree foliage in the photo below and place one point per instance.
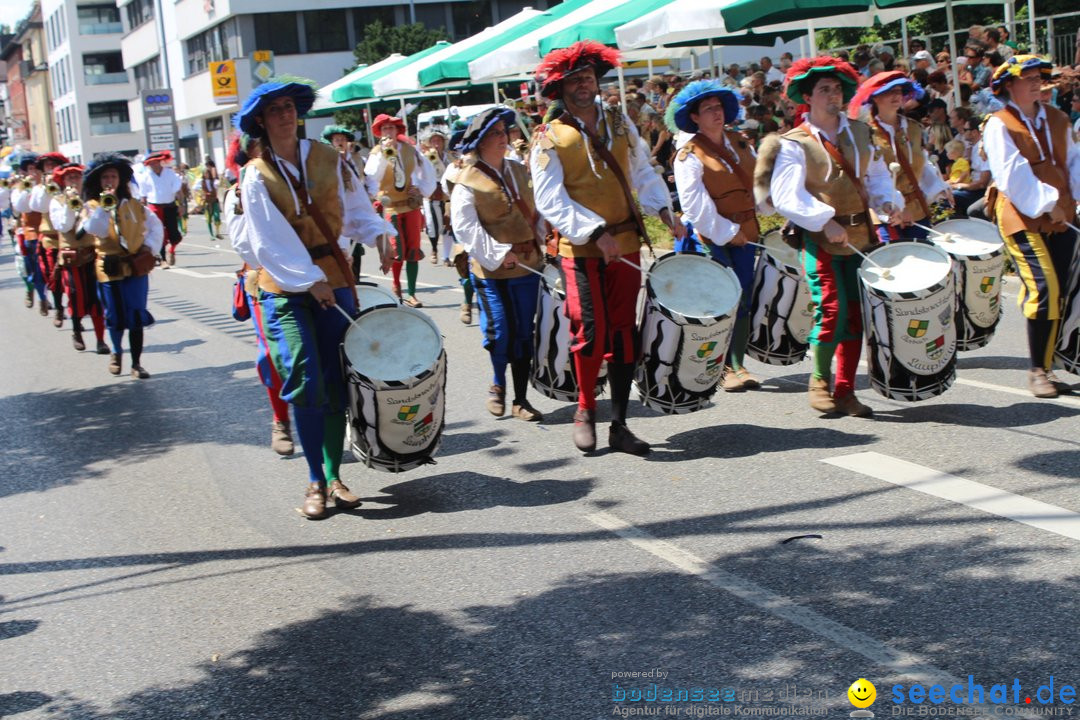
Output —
(378, 40)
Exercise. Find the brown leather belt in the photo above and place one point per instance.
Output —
(741, 217)
(853, 220)
(320, 251)
(411, 204)
(623, 227)
(49, 234)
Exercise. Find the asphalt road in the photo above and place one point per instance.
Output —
(154, 564)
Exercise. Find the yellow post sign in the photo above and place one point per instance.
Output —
(223, 79)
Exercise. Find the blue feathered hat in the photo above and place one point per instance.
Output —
(26, 160)
(457, 131)
(301, 90)
(481, 123)
(92, 174)
(685, 103)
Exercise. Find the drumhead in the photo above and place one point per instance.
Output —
(369, 295)
(694, 286)
(912, 267)
(780, 250)
(968, 237)
(392, 344)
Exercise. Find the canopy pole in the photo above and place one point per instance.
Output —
(802, 46)
(712, 59)
(904, 51)
(952, 52)
(648, 64)
(367, 117)
(1031, 28)
(719, 62)
(495, 90)
(693, 61)
(1010, 19)
(813, 38)
(622, 89)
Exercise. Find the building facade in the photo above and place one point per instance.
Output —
(28, 117)
(90, 87)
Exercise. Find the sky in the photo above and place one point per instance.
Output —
(12, 11)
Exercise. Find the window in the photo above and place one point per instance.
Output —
(140, 11)
(277, 32)
(362, 17)
(217, 43)
(469, 17)
(148, 74)
(109, 118)
(104, 68)
(326, 30)
(99, 19)
(433, 16)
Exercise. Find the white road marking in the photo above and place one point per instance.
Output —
(1071, 402)
(995, 501)
(197, 274)
(899, 662)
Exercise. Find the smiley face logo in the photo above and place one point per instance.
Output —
(862, 693)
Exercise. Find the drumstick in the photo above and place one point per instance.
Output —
(1074, 228)
(946, 237)
(526, 267)
(884, 272)
(667, 286)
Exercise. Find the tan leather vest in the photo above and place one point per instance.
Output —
(47, 233)
(602, 194)
(321, 174)
(733, 199)
(1052, 171)
(911, 144)
(502, 219)
(827, 182)
(30, 223)
(130, 215)
(399, 198)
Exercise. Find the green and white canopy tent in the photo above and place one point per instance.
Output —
(324, 103)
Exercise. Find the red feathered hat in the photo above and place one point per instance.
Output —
(160, 156)
(558, 64)
(879, 83)
(806, 68)
(53, 157)
(383, 119)
(65, 169)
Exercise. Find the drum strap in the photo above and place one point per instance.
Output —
(905, 165)
(838, 156)
(300, 188)
(1040, 133)
(531, 217)
(609, 159)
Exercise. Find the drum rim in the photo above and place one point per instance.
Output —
(908, 294)
(766, 251)
(377, 308)
(998, 250)
(675, 316)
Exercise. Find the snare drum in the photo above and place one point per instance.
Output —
(553, 373)
(395, 369)
(781, 307)
(979, 252)
(369, 295)
(910, 320)
(1068, 347)
(686, 326)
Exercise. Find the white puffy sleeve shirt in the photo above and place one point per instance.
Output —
(423, 175)
(20, 200)
(1014, 176)
(39, 199)
(61, 216)
(97, 223)
(576, 222)
(485, 249)
(5, 196)
(697, 206)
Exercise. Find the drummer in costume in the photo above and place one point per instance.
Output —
(585, 162)
(825, 176)
(48, 238)
(436, 208)
(900, 141)
(28, 223)
(298, 198)
(122, 228)
(714, 174)
(78, 273)
(160, 186)
(1035, 165)
(399, 177)
(458, 255)
(495, 218)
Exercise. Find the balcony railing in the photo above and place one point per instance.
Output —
(113, 78)
(109, 128)
(104, 28)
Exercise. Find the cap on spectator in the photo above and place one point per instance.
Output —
(923, 55)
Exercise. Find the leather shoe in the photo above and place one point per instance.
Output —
(77, 341)
(466, 313)
(114, 363)
(58, 317)
(343, 497)
(1063, 387)
(496, 402)
(102, 348)
(585, 430)
(525, 411)
(29, 302)
(820, 397)
(621, 439)
(850, 405)
(43, 308)
(1040, 385)
(412, 302)
(139, 373)
(749, 381)
(281, 440)
(732, 382)
(315, 502)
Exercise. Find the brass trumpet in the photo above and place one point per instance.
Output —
(52, 188)
(5, 183)
(108, 200)
(27, 184)
(74, 203)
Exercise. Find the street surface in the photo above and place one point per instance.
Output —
(154, 563)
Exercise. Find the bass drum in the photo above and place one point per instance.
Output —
(1068, 348)
(979, 255)
(553, 373)
(781, 307)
